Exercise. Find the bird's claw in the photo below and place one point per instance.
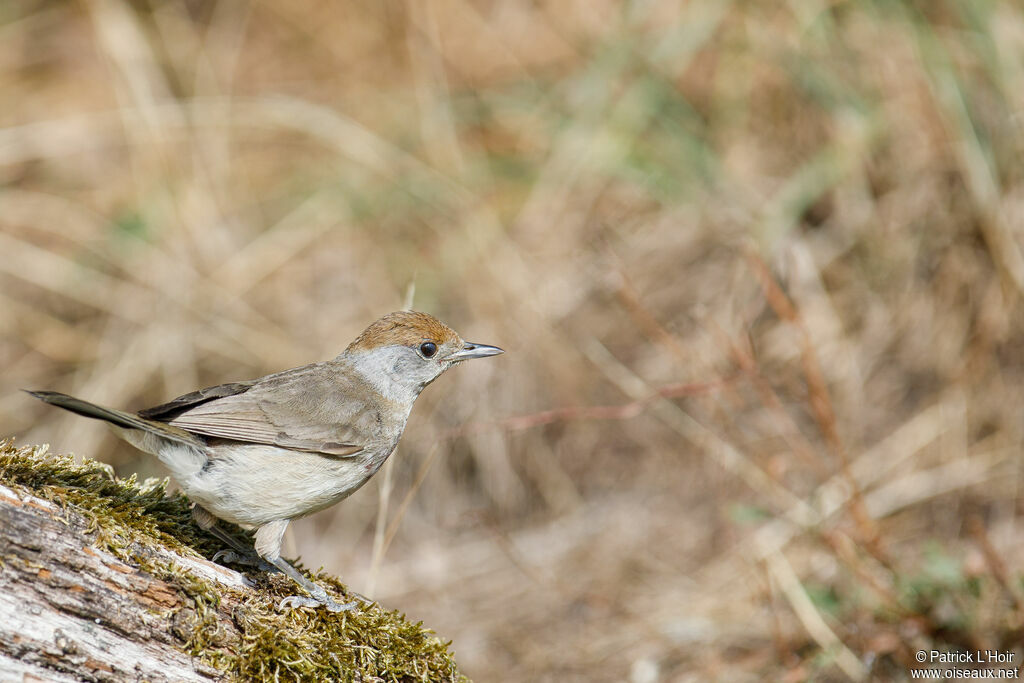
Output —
(233, 557)
(230, 556)
(302, 601)
(246, 559)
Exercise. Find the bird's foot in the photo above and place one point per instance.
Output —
(246, 559)
(301, 601)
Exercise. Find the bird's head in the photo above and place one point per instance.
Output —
(405, 351)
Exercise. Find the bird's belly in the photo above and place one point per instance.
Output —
(255, 484)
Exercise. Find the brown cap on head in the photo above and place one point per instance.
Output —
(405, 328)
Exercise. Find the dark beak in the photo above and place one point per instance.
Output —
(471, 350)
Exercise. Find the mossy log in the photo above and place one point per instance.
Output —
(103, 579)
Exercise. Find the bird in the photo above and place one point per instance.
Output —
(262, 452)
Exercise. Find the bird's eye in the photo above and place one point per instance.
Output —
(428, 349)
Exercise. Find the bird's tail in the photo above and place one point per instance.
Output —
(118, 418)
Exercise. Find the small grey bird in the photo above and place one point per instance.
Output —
(266, 451)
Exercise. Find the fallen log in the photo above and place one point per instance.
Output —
(107, 579)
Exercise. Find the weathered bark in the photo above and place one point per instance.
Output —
(69, 611)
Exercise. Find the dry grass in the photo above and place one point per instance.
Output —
(758, 268)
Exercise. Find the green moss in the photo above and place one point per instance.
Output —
(130, 518)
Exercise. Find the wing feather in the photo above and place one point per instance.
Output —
(307, 409)
(167, 411)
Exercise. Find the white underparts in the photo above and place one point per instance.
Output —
(253, 484)
(183, 461)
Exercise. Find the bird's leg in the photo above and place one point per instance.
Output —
(268, 545)
(240, 552)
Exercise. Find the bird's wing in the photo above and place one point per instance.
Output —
(305, 409)
(167, 411)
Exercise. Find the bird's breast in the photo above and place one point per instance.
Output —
(253, 484)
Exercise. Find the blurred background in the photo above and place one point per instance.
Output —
(758, 269)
